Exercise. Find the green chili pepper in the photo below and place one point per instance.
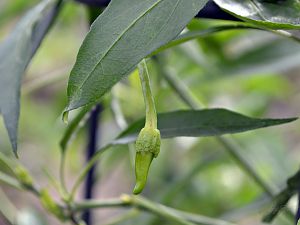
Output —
(148, 141)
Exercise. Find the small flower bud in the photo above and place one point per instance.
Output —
(49, 204)
(23, 176)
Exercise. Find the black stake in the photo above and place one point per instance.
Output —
(91, 149)
(211, 10)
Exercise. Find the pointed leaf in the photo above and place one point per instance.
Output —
(15, 54)
(199, 123)
(125, 33)
(269, 13)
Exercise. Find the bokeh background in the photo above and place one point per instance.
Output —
(249, 71)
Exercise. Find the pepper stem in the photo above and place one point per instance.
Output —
(151, 118)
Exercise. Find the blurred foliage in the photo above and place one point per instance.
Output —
(252, 72)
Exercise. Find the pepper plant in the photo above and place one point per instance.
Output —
(129, 37)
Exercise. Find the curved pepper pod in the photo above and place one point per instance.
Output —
(147, 148)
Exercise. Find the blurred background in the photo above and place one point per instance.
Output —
(252, 72)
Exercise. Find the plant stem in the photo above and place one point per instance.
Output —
(234, 150)
(142, 203)
(229, 144)
(94, 204)
(62, 179)
(151, 117)
(159, 210)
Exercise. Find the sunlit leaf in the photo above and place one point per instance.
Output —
(271, 14)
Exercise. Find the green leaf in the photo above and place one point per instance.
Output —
(200, 123)
(125, 33)
(15, 54)
(271, 14)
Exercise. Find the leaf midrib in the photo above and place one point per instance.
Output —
(217, 128)
(258, 10)
(115, 42)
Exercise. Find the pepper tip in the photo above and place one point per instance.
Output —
(138, 188)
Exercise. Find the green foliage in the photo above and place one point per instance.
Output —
(274, 15)
(191, 61)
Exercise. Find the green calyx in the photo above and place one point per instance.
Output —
(148, 141)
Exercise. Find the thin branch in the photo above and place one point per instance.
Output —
(149, 206)
(151, 117)
(94, 204)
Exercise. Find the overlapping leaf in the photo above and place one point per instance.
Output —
(270, 13)
(15, 54)
(126, 32)
(196, 123)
